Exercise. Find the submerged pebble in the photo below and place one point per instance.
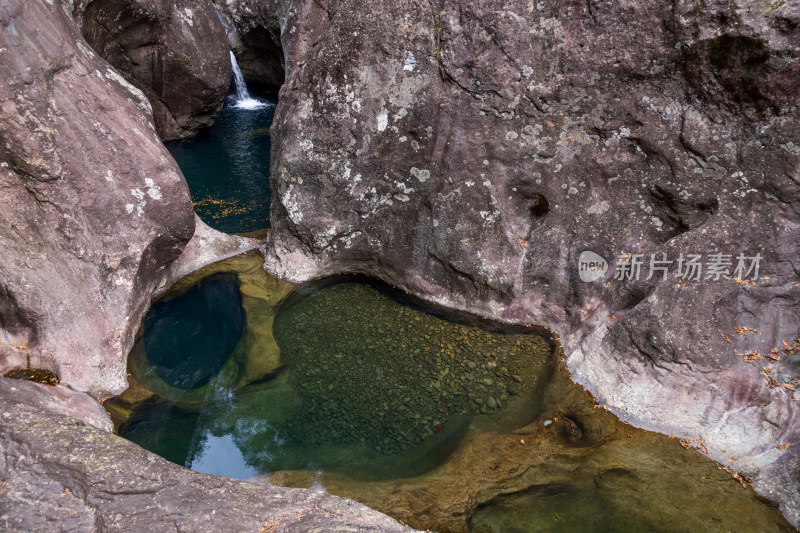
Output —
(393, 383)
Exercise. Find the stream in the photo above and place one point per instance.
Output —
(227, 165)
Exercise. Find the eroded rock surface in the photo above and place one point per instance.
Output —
(93, 205)
(207, 246)
(574, 467)
(175, 52)
(60, 474)
(55, 400)
(469, 152)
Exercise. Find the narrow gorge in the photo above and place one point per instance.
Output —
(432, 265)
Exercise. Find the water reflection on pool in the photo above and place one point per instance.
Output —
(446, 424)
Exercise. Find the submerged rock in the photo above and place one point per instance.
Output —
(93, 205)
(471, 152)
(584, 471)
(363, 375)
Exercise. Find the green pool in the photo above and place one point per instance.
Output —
(444, 421)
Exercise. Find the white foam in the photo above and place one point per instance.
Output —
(243, 98)
(250, 104)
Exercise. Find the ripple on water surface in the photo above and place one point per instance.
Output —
(227, 167)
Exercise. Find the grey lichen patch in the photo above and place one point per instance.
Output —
(421, 175)
(792, 148)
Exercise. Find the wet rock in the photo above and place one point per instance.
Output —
(60, 474)
(176, 53)
(570, 430)
(36, 375)
(474, 150)
(120, 408)
(94, 206)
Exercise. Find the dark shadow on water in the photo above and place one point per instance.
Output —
(165, 429)
(189, 337)
(372, 388)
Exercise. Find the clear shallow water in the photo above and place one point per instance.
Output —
(227, 167)
(352, 402)
(369, 387)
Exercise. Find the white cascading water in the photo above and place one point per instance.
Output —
(243, 98)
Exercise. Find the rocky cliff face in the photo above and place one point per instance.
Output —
(468, 152)
(93, 205)
(174, 52)
(471, 152)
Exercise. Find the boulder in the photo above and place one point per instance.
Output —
(94, 207)
(55, 400)
(61, 474)
(471, 152)
(175, 52)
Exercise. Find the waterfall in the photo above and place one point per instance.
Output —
(243, 98)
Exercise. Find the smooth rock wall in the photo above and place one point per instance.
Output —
(93, 206)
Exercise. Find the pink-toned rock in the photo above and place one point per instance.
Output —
(175, 52)
(58, 401)
(93, 206)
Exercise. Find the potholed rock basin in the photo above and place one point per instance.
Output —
(441, 420)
